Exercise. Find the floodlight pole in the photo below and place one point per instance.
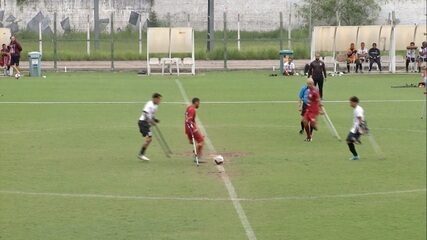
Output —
(140, 34)
(281, 31)
(88, 36)
(40, 38)
(112, 40)
(309, 22)
(96, 20)
(55, 56)
(225, 41)
(211, 31)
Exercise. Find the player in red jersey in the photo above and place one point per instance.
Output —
(191, 126)
(5, 59)
(313, 109)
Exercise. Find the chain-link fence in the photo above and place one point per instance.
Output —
(234, 38)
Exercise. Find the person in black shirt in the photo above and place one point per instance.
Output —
(317, 71)
(374, 57)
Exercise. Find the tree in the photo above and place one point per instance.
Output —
(340, 12)
(152, 19)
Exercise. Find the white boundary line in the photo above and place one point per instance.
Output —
(170, 198)
(208, 102)
(227, 182)
(179, 126)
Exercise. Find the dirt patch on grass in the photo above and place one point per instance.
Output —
(228, 156)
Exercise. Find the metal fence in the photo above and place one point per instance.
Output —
(119, 40)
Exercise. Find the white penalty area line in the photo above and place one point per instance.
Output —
(227, 182)
(207, 199)
(207, 102)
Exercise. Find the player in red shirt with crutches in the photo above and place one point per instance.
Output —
(191, 130)
(313, 109)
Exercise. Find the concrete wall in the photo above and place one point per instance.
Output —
(255, 14)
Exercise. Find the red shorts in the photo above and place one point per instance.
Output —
(310, 116)
(198, 137)
(4, 61)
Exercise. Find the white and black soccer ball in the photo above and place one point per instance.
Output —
(17, 76)
(218, 159)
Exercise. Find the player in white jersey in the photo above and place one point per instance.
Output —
(289, 68)
(411, 55)
(358, 128)
(362, 57)
(147, 120)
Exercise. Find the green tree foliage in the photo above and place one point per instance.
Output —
(152, 18)
(345, 12)
(21, 2)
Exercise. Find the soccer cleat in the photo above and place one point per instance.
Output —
(308, 140)
(354, 158)
(144, 158)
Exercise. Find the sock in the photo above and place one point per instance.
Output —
(307, 130)
(142, 150)
(352, 149)
(302, 125)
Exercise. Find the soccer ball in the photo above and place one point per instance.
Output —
(17, 76)
(218, 159)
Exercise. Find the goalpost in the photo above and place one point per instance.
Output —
(171, 44)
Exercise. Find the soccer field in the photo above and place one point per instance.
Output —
(68, 166)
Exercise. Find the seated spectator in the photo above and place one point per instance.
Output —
(5, 59)
(289, 68)
(362, 56)
(351, 56)
(411, 52)
(374, 57)
(424, 74)
(422, 55)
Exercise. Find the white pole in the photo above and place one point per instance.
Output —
(392, 54)
(392, 64)
(193, 68)
(334, 49)
(148, 52)
(140, 34)
(40, 38)
(88, 36)
(313, 45)
(238, 32)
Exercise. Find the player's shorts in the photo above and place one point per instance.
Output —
(303, 109)
(144, 128)
(353, 137)
(198, 137)
(4, 61)
(14, 60)
(310, 116)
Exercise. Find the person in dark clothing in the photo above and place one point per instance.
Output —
(374, 57)
(15, 49)
(317, 71)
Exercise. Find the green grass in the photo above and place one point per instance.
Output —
(91, 149)
(254, 45)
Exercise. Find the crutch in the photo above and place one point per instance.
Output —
(163, 144)
(196, 156)
(330, 124)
